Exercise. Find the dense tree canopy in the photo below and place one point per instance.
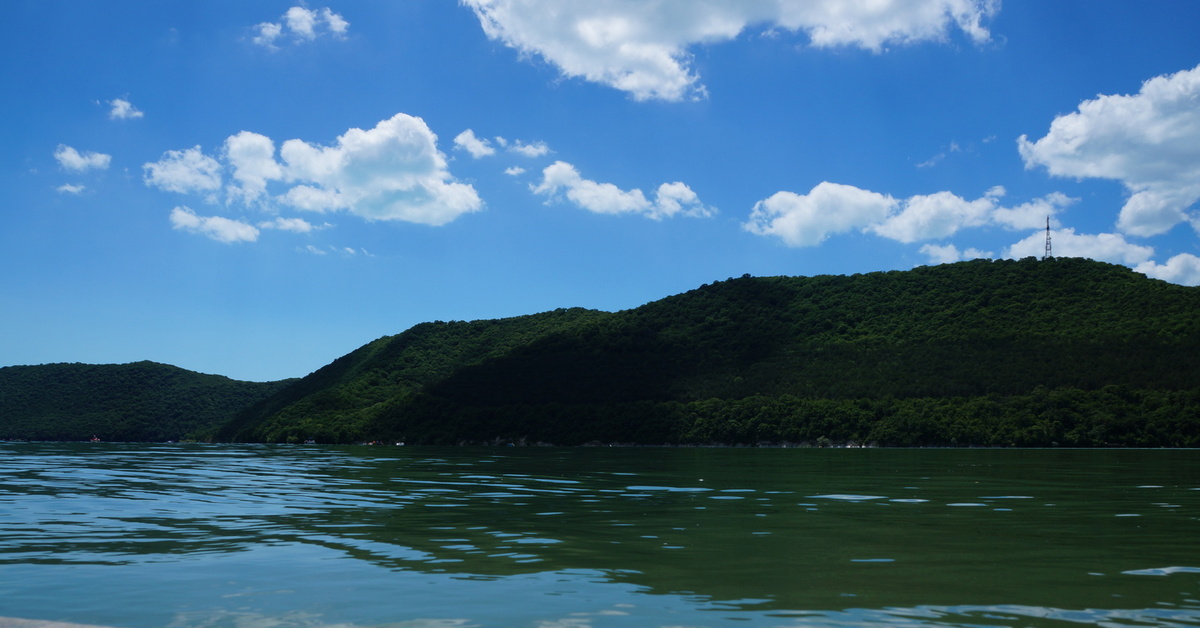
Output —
(143, 401)
(998, 353)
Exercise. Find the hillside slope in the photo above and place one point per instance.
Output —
(1062, 351)
(338, 402)
(142, 401)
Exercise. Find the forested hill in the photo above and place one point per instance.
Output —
(143, 401)
(340, 402)
(1061, 351)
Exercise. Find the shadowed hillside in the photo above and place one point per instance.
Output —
(1062, 351)
(143, 401)
(339, 402)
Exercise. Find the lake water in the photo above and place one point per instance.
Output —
(278, 536)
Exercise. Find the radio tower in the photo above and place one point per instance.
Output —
(1047, 256)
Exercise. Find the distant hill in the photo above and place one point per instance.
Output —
(143, 401)
(998, 353)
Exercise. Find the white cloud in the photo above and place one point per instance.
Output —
(268, 32)
(251, 158)
(605, 198)
(477, 147)
(313, 199)
(295, 225)
(71, 159)
(1106, 247)
(936, 159)
(513, 171)
(832, 208)
(70, 188)
(123, 110)
(536, 149)
(216, 227)
(1032, 215)
(676, 198)
(933, 216)
(1149, 141)
(335, 22)
(1182, 269)
(299, 25)
(948, 253)
(480, 147)
(184, 171)
(345, 251)
(391, 172)
(828, 209)
(302, 22)
(642, 47)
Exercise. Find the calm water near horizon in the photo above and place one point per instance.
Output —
(181, 535)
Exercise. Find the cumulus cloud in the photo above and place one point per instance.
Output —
(535, 149)
(1149, 141)
(1032, 215)
(932, 216)
(391, 172)
(477, 147)
(268, 32)
(75, 161)
(300, 24)
(833, 208)
(514, 171)
(70, 188)
(642, 47)
(184, 171)
(123, 110)
(251, 158)
(828, 209)
(1106, 247)
(216, 227)
(1182, 269)
(671, 199)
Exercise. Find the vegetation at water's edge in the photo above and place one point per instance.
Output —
(143, 401)
(990, 353)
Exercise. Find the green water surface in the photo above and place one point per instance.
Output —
(250, 536)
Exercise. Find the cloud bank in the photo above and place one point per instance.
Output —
(1149, 141)
(642, 47)
(828, 209)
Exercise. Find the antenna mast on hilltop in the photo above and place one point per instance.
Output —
(1047, 256)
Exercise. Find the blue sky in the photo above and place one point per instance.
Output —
(256, 188)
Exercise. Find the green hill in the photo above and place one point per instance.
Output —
(1063, 351)
(339, 402)
(143, 401)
